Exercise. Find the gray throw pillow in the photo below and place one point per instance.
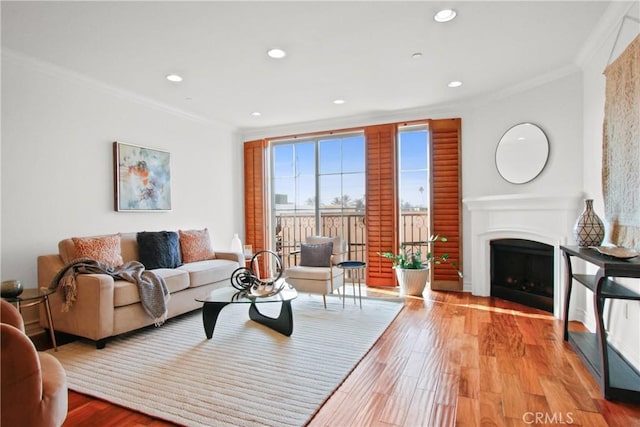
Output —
(159, 249)
(315, 255)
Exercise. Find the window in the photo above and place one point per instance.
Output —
(318, 188)
(414, 185)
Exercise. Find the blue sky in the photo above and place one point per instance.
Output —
(294, 168)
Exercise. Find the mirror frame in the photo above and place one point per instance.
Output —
(541, 138)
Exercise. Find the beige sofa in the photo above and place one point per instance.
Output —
(105, 307)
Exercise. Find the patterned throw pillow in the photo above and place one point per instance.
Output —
(159, 249)
(315, 255)
(105, 249)
(195, 245)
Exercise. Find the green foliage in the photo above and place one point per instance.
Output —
(410, 259)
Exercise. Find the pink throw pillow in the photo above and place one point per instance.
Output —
(105, 249)
(195, 245)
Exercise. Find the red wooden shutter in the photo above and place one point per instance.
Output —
(254, 194)
(446, 219)
(381, 209)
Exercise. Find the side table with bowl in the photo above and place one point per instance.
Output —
(22, 298)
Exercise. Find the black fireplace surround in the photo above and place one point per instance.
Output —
(522, 272)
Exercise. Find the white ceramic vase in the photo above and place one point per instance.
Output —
(412, 281)
(236, 244)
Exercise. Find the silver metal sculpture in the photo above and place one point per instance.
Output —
(251, 285)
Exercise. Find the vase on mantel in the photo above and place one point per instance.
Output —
(589, 229)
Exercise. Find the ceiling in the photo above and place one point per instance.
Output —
(357, 51)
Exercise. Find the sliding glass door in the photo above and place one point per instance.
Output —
(318, 188)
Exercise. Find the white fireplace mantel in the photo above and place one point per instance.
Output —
(542, 218)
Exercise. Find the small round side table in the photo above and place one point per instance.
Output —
(31, 297)
(355, 267)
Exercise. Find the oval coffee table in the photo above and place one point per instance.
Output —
(217, 299)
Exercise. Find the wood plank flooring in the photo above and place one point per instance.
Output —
(450, 359)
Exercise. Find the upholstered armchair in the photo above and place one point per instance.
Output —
(33, 384)
(316, 270)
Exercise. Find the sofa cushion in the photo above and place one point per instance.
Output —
(105, 249)
(129, 247)
(195, 245)
(159, 249)
(205, 272)
(126, 293)
(67, 250)
(315, 255)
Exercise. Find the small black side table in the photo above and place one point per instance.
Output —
(356, 267)
(31, 297)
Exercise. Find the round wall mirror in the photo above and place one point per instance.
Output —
(522, 153)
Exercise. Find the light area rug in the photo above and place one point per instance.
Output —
(246, 375)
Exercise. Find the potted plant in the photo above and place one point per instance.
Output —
(412, 268)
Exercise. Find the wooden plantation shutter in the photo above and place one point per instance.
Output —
(445, 215)
(381, 208)
(254, 194)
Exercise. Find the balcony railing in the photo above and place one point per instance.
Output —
(292, 229)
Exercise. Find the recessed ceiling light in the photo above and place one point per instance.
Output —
(417, 55)
(174, 78)
(445, 15)
(256, 114)
(338, 101)
(455, 83)
(276, 53)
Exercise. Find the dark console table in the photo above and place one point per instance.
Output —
(618, 379)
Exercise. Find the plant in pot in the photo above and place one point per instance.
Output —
(412, 267)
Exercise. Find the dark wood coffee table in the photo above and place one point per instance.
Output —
(216, 300)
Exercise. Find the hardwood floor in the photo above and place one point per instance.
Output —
(449, 359)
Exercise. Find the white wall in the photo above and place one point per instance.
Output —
(556, 107)
(623, 317)
(57, 164)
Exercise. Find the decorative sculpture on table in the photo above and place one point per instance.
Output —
(249, 284)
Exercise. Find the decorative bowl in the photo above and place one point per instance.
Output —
(10, 288)
(617, 252)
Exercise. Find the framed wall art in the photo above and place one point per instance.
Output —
(142, 178)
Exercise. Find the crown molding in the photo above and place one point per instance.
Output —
(59, 72)
(603, 31)
(527, 85)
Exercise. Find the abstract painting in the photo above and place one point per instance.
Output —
(142, 178)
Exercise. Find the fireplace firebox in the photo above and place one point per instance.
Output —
(522, 272)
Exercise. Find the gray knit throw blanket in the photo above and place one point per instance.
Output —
(153, 290)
